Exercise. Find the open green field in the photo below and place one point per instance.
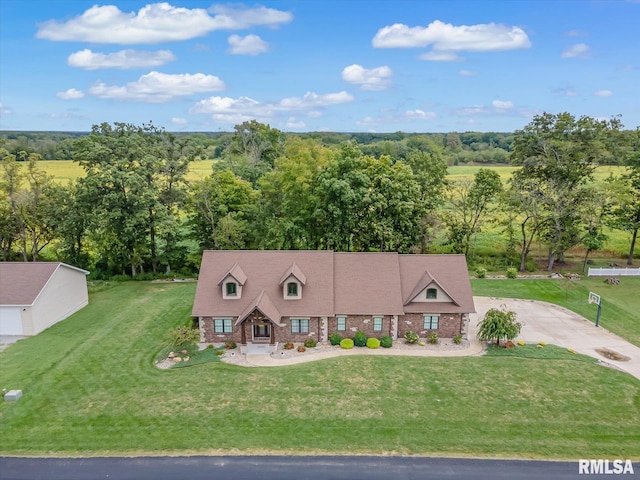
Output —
(90, 388)
(65, 170)
(620, 303)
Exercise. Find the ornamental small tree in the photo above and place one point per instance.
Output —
(499, 323)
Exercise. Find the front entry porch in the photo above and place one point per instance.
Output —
(257, 329)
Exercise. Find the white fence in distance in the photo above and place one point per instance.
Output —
(614, 272)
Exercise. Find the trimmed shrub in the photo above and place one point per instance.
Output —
(346, 343)
(310, 343)
(335, 338)
(301, 349)
(288, 346)
(432, 338)
(481, 272)
(360, 339)
(230, 344)
(512, 272)
(411, 337)
(386, 341)
(373, 343)
(457, 339)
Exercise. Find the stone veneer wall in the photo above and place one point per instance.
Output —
(450, 324)
(282, 334)
(360, 322)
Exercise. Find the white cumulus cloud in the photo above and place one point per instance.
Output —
(467, 73)
(502, 105)
(249, 45)
(579, 50)
(124, 59)
(418, 114)
(4, 110)
(603, 93)
(155, 23)
(70, 94)
(178, 120)
(156, 87)
(368, 78)
(237, 110)
(446, 39)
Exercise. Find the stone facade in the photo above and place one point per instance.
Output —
(450, 324)
(360, 322)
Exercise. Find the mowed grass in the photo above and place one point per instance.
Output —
(620, 303)
(90, 388)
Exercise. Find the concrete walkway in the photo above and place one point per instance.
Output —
(542, 322)
(545, 322)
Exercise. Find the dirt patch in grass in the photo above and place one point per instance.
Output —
(612, 355)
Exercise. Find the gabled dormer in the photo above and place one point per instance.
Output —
(232, 283)
(292, 282)
(429, 290)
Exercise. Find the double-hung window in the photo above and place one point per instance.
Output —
(231, 289)
(431, 322)
(342, 324)
(377, 324)
(299, 325)
(222, 325)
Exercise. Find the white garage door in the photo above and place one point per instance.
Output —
(10, 321)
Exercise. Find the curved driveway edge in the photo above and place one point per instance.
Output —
(543, 322)
(546, 322)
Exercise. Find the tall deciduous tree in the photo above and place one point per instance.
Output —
(468, 204)
(132, 176)
(558, 155)
(218, 210)
(625, 213)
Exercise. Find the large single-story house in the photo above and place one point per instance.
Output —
(35, 295)
(287, 296)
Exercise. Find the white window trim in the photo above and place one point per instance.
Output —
(224, 321)
(299, 320)
(285, 289)
(381, 323)
(431, 317)
(238, 294)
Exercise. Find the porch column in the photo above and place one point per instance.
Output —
(243, 338)
(272, 330)
(394, 327)
(325, 329)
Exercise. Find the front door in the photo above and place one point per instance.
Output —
(261, 332)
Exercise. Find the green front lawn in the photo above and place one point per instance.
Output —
(90, 388)
(620, 303)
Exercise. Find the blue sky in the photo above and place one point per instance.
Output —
(310, 65)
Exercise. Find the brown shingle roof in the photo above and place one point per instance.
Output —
(296, 272)
(448, 271)
(237, 273)
(367, 283)
(22, 282)
(264, 304)
(264, 269)
(334, 283)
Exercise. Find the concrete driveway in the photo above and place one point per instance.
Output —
(556, 325)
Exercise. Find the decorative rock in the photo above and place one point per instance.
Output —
(171, 355)
(185, 359)
(184, 352)
(177, 359)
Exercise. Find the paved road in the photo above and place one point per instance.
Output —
(288, 468)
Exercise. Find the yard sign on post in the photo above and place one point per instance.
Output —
(595, 298)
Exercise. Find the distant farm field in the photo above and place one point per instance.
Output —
(65, 170)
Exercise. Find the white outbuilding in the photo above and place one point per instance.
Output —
(36, 295)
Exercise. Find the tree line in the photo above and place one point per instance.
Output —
(134, 212)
